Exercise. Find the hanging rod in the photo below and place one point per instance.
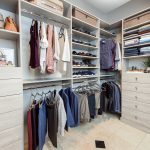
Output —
(31, 87)
(42, 17)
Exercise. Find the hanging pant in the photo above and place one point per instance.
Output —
(29, 127)
(34, 115)
(91, 102)
(42, 125)
(52, 116)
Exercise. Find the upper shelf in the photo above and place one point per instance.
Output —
(9, 5)
(106, 33)
(32, 9)
(9, 35)
(138, 45)
(85, 25)
(83, 35)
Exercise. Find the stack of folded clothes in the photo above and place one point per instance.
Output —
(83, 74)
(145, 50)
(144, 29)
(84, 63)
(145, 39)
(131, 42)
(131, 52)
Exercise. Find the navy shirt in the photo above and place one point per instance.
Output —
(107, 53)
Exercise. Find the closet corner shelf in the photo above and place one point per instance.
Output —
(46, 80)
(105, 32)
(83, 46)
(80, 23)
(87, 57)
(43, 12)
(9, 35)
(134, 57)
(84, 35)
(137, 26)
(106, 75)
(80, 78)
(138, 45)
(85, 67)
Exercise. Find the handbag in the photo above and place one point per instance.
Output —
(2, 59)
(10, 24)
(1, 21)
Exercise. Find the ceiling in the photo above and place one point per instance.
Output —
(106, 6)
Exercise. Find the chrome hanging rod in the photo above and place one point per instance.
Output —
(43, 17)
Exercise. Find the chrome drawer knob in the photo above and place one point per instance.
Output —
(136, 78)
(135, 97)
(136, 88)
(136, 106)
(136, 117)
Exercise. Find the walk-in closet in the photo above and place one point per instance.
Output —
(74, 75)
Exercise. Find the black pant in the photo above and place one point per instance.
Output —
(52, 116)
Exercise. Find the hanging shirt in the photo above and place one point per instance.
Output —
(66, 52)
(43, 47)
(107, 53)
(118, 60)
(50, 53)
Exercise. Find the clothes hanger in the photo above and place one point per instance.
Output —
(61, 33)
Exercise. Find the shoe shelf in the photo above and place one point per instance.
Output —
(82, 67)
(87, 57)
(9, 35)
(83, 46)
(84, 35)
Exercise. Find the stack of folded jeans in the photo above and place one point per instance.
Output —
(145, 39)
(131, 42)
(144, 29)
(145, 50)
(131, 52)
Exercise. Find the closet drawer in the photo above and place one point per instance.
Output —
(135, 96)
(136, 78)
(14, 146)
(144, 17)
(136, 87)
(11, 119)
(11, 87)
(136, 116)
(10, 73)
(137, 106)
(11, 103)
(10, 136)
(83, 16)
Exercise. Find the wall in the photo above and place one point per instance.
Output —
(127, 9)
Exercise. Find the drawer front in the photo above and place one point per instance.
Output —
(136, 116)
(10, 73)
(10, 136)
(136, 78)
(14, 146)
(11, 119)
(136, 87)
(11, 103)
(135, 96)
(145, 17)
(10, 87)
(137, 106)
(131, 22)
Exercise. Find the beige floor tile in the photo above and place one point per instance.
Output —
(145, 144)
(130, 134)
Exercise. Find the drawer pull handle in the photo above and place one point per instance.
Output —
(136, 88)
(136, 106)
(136, 78)
(136, 97)
(136, 117)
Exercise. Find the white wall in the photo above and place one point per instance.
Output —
(130, 8)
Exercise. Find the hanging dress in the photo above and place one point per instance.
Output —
(34, 46)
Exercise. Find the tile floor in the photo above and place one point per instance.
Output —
(117, 136)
